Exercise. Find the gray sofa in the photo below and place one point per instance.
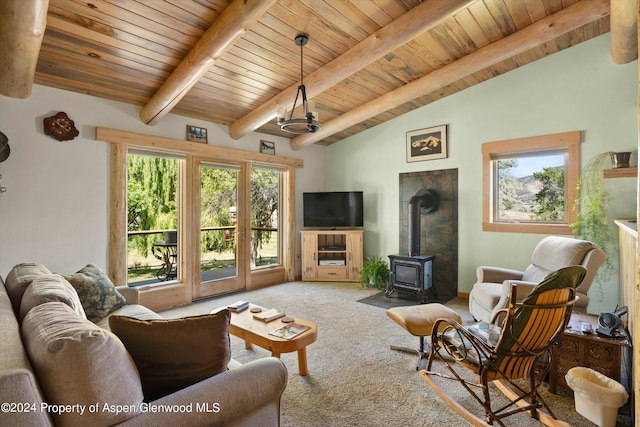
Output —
(58, 368)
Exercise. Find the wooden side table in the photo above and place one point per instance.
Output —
(576, 348)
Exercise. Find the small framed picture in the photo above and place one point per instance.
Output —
(267, 147)
(427, 144)
(196, 134)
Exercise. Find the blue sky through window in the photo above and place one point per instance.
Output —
(528, 165)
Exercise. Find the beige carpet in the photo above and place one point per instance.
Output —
(355, 379)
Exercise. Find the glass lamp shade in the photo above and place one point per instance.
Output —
(311, 109)
(281, 113)
(306, 121)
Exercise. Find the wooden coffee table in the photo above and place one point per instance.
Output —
(253, 331)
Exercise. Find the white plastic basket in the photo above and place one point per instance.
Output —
(597, 396)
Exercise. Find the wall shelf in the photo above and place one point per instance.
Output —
(621, 172)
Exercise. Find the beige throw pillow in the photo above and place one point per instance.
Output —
(79, 363)
(52, 287)
(175, 353)
(19, 279)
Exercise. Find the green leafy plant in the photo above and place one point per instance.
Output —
(593, 221)
(375, 272)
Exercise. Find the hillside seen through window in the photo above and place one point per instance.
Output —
(531, 188)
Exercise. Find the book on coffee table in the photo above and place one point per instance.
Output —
(268, 315)
(290, 330)
(238, 306)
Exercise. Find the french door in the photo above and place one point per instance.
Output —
(221, 242)
(257, 245)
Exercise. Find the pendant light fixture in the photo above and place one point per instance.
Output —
(308, 123)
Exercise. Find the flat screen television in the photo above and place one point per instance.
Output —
(333, 209)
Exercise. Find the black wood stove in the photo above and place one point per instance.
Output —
(412, 273)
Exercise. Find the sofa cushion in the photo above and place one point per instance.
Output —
(97, 293)
(18, 382)
(19, 279)
(173, 354)
(136, 311)
(52, 287)
(79, 363)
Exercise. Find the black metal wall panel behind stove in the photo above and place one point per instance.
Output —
(439, 230)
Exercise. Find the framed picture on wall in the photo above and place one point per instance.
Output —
(196, 134)
(267, 147)
(427, 144)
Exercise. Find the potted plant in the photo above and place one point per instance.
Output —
(593, 221)
(375, 273)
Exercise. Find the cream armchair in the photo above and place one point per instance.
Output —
(491, 292)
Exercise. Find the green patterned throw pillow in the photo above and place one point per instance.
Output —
(96, 291)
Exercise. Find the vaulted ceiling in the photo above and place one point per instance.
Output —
(233, 62)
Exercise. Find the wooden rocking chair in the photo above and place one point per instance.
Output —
(515, 348)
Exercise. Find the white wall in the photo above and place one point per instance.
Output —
(576, 89)
(55, 210)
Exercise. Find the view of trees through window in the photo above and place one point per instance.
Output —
(218, 200)
(152, 208)
(265, 204)
(152, 202)
(531, 188)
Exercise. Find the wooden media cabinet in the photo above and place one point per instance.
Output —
(332, 255)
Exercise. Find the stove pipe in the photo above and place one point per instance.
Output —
(424, 201)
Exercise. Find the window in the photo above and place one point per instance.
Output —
(265, 219)
(152, 217)
(530, 184)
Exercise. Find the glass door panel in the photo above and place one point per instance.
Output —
(218, 229)
(152, 218)
(265, 219)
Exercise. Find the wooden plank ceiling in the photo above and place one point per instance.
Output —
(125, 50)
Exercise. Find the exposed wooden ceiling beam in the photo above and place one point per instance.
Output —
(624, 31)
(234, 21)
(404, 29)
(542, 31)
(21, 32)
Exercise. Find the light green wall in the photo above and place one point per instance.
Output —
(577, 89)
